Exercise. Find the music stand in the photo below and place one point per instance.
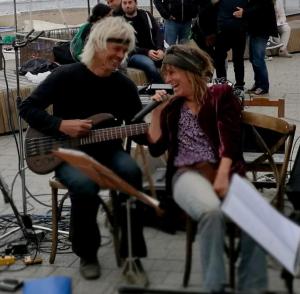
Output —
(106, 178)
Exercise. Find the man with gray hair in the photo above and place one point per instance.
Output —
(78, 91)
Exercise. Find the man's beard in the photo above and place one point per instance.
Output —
(131, 12)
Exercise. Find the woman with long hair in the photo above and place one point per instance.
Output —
(200, 127)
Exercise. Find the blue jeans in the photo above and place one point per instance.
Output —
(195, 195)
(175, 31)
(257, 53)
(146, 64)
(84, 231)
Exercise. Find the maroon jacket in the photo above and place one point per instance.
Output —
(220, 119)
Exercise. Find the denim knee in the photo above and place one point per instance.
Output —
(131, 174)
(85, 187)
(76, 181)
(212, 215)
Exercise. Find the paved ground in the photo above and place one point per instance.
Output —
(165, 261)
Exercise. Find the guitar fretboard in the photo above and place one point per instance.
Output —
(45, 144)
(113, 133)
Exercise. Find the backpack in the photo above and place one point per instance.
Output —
(62, 54)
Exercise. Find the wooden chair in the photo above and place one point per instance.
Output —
(266, 102)
(57, 206)
(267, 145)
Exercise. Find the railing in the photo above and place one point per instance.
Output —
(43, 46)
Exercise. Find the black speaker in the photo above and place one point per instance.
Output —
(293, 185)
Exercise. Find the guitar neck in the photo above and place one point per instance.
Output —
(113, 133)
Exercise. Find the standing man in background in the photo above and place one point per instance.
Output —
(177, 16)
(259, 33)
(231, 34)
(148, 52)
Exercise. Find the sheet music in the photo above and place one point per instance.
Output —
(274, 232)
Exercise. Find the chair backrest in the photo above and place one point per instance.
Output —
(267, 145)
(266, 102)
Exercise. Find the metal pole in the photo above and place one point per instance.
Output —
(15, 15)
(2, 56)
(20, 125)
(89, 7)
(151, 7)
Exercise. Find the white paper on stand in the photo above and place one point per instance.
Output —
(274, 232)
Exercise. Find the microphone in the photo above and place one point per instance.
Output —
(147, 109)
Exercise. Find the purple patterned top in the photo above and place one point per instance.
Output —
(193, 144)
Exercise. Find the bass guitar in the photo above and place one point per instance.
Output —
(39, 147)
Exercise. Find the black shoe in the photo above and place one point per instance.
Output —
(239, 93)
(90, 269)
(240, 87)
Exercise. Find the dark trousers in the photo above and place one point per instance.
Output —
(235, 40)
(84, 231)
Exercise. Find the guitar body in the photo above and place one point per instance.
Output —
(40, 163)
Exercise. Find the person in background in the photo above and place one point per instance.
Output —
(177, 15)
(99, 12)
(200, 127)
(116, 6)
(148, 53)
(231, 34)
(284, 29)
(78, 91)
(204, 28)
(259, 33)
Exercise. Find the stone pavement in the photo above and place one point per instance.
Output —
(165, 260)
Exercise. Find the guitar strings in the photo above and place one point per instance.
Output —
(38, 146)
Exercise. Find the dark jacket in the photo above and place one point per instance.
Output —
(261, 19)
(182, 10)
(219, 118)
(225, 20)
(206, 22)
(148, 34)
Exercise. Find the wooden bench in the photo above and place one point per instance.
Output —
(137, 76)
(294, 41)
(9, 110)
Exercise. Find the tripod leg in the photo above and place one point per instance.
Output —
(133, 272)
(54, 225)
